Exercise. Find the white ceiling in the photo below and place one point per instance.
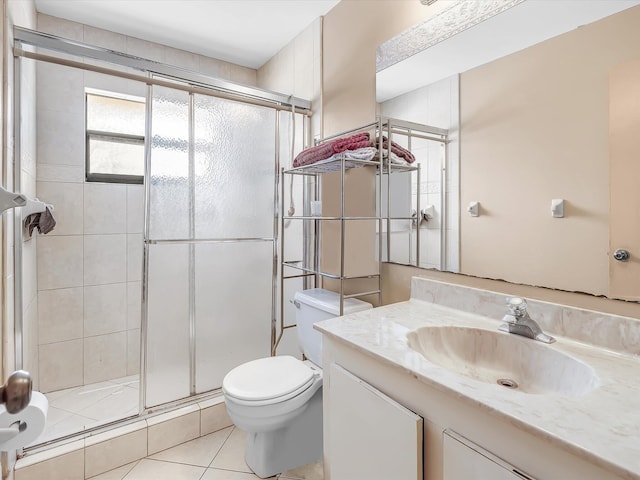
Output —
(245, 32)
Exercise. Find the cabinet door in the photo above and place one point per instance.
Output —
(465, 461)
(371, 436)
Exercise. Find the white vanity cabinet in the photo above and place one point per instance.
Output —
(463, 460)
(356, 446)
(372, 437)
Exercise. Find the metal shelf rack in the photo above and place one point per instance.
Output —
(310, 269)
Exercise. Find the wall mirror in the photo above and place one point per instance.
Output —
(523, 88)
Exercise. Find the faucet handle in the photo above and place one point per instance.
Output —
(517, 306)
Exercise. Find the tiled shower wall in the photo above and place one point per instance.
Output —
(89, 268)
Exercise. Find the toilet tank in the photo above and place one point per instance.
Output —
(313, 306)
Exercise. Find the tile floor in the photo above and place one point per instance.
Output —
(217, 456)
(74, 409)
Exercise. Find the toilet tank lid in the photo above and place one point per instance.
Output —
(330, 301)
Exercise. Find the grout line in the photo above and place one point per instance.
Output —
(221, 446)
(135, 464)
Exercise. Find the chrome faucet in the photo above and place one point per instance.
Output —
(519, 322)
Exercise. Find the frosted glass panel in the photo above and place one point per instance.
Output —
(233, 307)
(167, 345)
(115, 156)
(235, 169)
(116, 115)
(169, 172)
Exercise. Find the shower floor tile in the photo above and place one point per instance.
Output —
(75, 409)
(216, 456)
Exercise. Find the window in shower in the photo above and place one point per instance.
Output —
(115, 127)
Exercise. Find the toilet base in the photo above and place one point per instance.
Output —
(299, 443)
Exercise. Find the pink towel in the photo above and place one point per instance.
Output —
(326, 150)
(313, 154)
(354, 142)
(398, 150)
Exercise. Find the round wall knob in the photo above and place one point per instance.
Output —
(621, 255)
(16, 393)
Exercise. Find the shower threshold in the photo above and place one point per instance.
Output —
(76, 409)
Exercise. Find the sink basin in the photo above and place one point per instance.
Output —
(505, 359)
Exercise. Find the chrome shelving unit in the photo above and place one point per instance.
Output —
(311, 269)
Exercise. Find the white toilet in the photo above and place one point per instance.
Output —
(278, 400)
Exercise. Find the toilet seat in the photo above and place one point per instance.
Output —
(268, 380)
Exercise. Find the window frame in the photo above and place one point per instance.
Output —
(110, 137)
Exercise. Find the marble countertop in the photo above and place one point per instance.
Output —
(602, 427)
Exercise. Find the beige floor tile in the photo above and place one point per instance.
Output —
(116, 474)
(199, 452)
(216, 474)
(231, 455)
(313, 471)
(157, 470)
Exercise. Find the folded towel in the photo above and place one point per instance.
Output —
(313, 155)
(327, 149)
(395, 159)
(354, 142)
(43, 221)
(398, 150)
(365, 154)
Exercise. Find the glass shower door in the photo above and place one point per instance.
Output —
(210, 241)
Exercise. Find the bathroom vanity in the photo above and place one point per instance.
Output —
(575, 413)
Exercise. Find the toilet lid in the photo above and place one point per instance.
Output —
(267, 378)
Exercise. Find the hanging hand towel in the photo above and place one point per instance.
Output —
(43, 221)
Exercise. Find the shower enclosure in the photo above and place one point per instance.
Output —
(167, 301)
(209, 241)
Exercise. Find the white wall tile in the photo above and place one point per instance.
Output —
(66, 199)
(60, 27)
(105, 357)
(30, 341)
(60, 314)
(104, 38)
(105, 259)
(135, 208)
(181, 58)
(110, 83)
(105, 456)
(105, 309)
(59, 261)
(29, 271)
(174, 432)
(60, 365)
(105, 208)
(144, 49)
(60, 173)
(61, 137)
(134, 257)
(134, 305)
(133, 352)
(60, 89)
(243, 75)
(214, 67)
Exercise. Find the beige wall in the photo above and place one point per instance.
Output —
(535, 127)
(352, 31)
(557, 257)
